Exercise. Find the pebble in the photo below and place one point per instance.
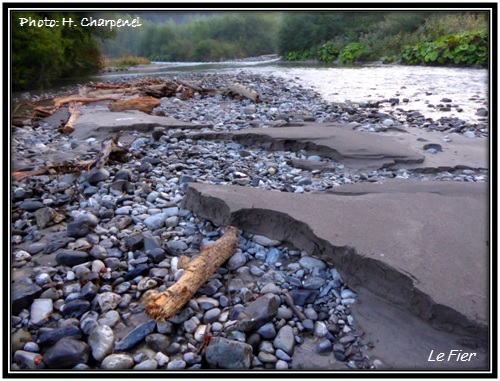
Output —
(135, 336)
(223, 353)
(51, 337)
(101, 341)
(147, 365)
(29, 359)
(285, 340)
(40, 311)
(264, 241)
(66, 353)
(117, 361)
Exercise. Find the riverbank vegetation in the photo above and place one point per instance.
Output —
(222, 36)
(41, 56)
(421, 38)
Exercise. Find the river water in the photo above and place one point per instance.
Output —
(425, 88)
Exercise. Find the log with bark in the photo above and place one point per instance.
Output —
(163, 305)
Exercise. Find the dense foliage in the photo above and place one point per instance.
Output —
(466, 48)
(42, 55)
(226, 35)
(412, 37)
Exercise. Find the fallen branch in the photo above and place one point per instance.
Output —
(291, 304)
(161, 306)
(244, 91)
(55, 169)
(59, 102)
(108, 147)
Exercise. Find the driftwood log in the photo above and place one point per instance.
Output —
(74, 113)
(237, 88)
(144, 104)
(161, 306)
(59, 102)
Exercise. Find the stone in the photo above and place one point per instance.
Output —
(177, 245)
(311, 263)
(211, 316)
(176, 364)
(47, 216)
(135, 336)
(158, 342)
(72, 257)
(303, 297)
(51, 337)
(223, 353)
(75, 308)
(313, 283)
(117, 361)
(281, 365)
(146, 284)
(96, 175)
(182, 316)
(31, 206)
(282, 355)
(81, 226)
(267, 331)
(270, 288)
(66, 353)
(267, 357)
(40, 311)
(147, 365)
(156, 221)
(273, 255)
(19, 339)
(285, 340)
(264, 241)
(29, 359)
(347, 339)
(258, 312)
(236, 261)
(101, 341)
(110, 318)
(109, 301)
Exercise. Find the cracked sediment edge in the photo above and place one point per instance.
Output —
(357, 271)
(358, 159)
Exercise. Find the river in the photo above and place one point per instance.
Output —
(425, 88)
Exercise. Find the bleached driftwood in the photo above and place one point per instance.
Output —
(163, 305)
(244, 91)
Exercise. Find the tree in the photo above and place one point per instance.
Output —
(42, 55)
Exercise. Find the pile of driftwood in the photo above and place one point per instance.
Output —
(142, 95)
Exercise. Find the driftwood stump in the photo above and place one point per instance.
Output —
(144, 104)
(161, 306)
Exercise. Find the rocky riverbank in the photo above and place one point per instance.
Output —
(86, 248)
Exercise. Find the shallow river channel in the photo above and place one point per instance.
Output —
(426, 89)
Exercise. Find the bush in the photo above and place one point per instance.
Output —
(328, 52)
(466, 48)
(351, 52)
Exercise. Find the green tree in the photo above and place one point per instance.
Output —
(43, 55)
